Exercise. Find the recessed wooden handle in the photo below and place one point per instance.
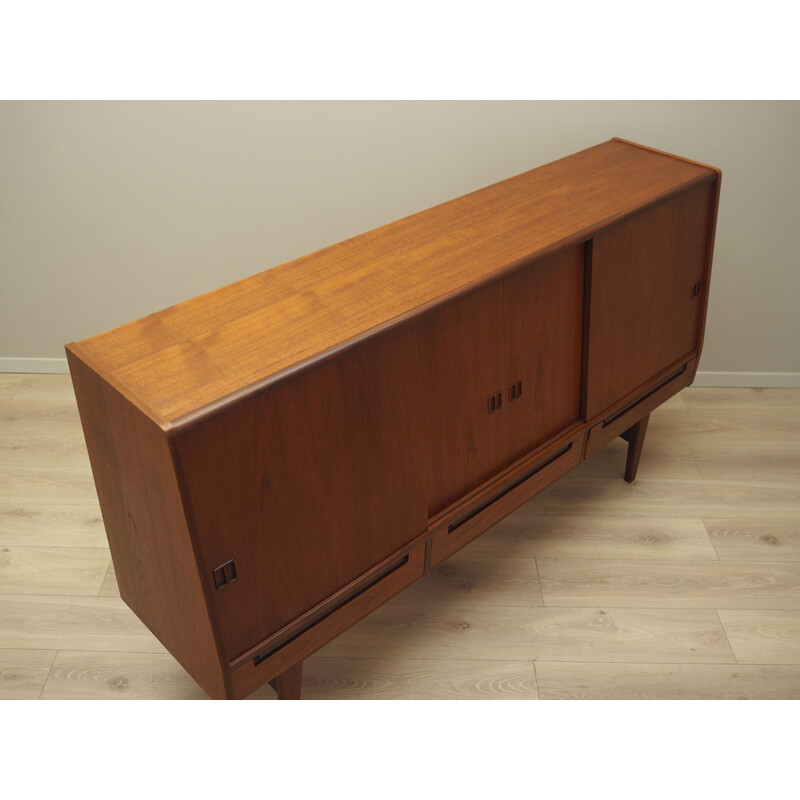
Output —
(546, 462)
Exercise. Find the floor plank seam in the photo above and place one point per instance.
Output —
(105, 578)
(536, 679)
(49, 673)
(727, 638)
(539, 581)
(704, 663)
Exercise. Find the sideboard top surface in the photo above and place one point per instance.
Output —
(191, 357)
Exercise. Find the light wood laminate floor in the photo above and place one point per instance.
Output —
(685, 584)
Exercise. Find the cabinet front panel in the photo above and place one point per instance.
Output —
(647, 280)
(306, 486)
(533, 476)
(544, 329)
(462, 366)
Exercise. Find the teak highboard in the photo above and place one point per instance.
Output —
(277, 458)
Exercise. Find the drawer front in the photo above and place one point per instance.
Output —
(463, 525)
(622, 416)
(307, 635)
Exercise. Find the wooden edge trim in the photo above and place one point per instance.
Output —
(77, 351)
(712, 233)
(318, 359)
(665, 153)
(194, 540)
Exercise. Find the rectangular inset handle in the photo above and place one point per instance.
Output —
(697, 288)
(514, 391)
(495, 402)
(225, 574)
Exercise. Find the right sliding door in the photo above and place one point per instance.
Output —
(648, 277)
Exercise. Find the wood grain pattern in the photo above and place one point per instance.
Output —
(672, 498)
(45, 387)
(550, 634)
(530, 508)
(146, 526)
(34, 432)
(465, 579)
(51, 525)
(747, 426)
(42, 484)
(586, 681)
(543, 312)
(23, 673)
(9, 385)
(80, 623)
(596, 537)
(424, 679)
(669, 584)
(758, 400)
(191, 354)
(270, 487)
(643, 316)
(755, 539)
(748, 460)
(662, 458)
(52, 570)
(88, 675)
(763, 637)
(37, 415)
(461, 354)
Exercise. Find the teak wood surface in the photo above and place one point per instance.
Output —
(198, 353)
(277, 459)
(642, 271)
(306, 486)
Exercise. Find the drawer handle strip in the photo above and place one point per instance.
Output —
(631, 406)
(538, 468)
(390, 569)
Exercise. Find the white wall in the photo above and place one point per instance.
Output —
(112, 210)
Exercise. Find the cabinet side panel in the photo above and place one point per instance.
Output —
(144, 520)
(712, 229)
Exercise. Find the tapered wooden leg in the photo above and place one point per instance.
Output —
(634, 436)
(288, 684)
